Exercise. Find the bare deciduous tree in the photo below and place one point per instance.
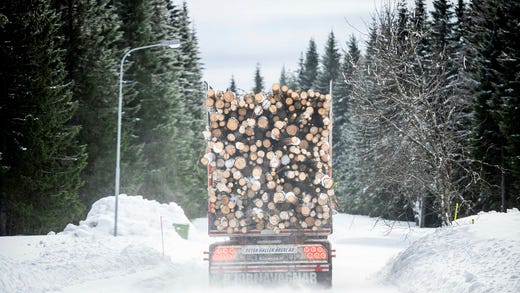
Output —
(408, 121)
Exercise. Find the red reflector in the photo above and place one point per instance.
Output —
(315, 252)
(223, 253)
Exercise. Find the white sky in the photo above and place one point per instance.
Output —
(236, 34)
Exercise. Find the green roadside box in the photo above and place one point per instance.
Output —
(182, 230)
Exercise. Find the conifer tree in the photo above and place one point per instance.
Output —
(288, 78)
(232, 84)
(91, 31)
(351, 57)
(301, 71)
(259, 80)
(158, 92)
(41, 157)
(330, 67)
(283, 76)
(509, 62)
(341, 139)
(494, 145)
(136, 28)
(190, 176)
(309, 72)
(419, 29)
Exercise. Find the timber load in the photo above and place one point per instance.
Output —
(269, 161)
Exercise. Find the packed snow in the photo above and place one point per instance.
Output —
(475, 254)
(465, 257)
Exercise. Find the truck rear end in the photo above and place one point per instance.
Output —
(272, 261)
(270, 188)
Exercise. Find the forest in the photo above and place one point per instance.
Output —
(58, 108)
(423, 119)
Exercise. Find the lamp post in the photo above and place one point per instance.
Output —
(168, 43)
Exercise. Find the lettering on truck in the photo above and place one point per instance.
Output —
(304, 278)
(269, 250)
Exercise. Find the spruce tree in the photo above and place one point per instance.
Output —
(91, 31)
(232, 84)
(441, 27)
(301, 71)
(136, 31)
(41, 157)
(341, 112)
(419, 29)
(509, 62)
(189, 180)
(259, 80)
(494, 59)
(310, 67)
(151, 91)
(157, 92)
(283, 76)
(330, 67)
(191, 73)
(403, 18)
(288, 78)
(351, 57)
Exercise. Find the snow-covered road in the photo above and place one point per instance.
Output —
(372, 256)
(363, 248)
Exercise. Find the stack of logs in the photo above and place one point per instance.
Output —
(269, 160)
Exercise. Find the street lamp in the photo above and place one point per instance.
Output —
(168, 43)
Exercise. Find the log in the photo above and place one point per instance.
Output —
(257, 172)
(275, 88)
(229, 96)
(240, 163)
(292, 130)
(209, 102)
(274, 219)
(219, 104)
(232, 124)
(275, 133)
(263, 122)
(279, 197)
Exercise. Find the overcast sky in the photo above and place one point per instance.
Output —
(236, 34)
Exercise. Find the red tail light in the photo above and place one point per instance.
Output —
(223, 253)
(315, 252)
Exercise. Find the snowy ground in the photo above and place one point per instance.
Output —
(372, 256)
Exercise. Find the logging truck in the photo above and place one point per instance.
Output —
(270, 190)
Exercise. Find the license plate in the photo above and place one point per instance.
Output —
(304, 278)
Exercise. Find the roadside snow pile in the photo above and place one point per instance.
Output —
(466, 257)
(89, 252)
(137, 216)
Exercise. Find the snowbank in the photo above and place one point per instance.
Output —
(89, 252)
(137, 216)
(465, 257)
